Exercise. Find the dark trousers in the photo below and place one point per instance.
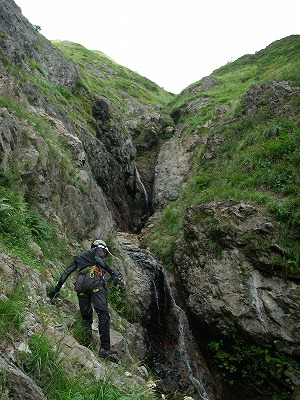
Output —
(98, 299)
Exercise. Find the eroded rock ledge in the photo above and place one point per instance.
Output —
(233, 288)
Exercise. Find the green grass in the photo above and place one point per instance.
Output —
(124, 304)
(239, 359)
(44, 364)
(278, 61)
(258, 158)
(162, 239)
(12, 314)
(103, 76)
(22, 224)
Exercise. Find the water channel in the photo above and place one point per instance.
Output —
(172, 352)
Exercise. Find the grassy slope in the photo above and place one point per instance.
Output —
(22, 224)
(99, 76)
(259, 159)
(104, 77)
(246, 142)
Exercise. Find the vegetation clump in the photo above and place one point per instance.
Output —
(258, 153)
(240, 360)
(256, 158)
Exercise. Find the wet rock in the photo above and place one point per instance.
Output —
(171, 350)
(224, 263)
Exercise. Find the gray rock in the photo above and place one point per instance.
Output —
(273, 96)
(173, 166)
(224, 266)
(17, 384)
(296, 394)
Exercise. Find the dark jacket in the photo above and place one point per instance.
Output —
(88, 258)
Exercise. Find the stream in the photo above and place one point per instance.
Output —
(172, 353)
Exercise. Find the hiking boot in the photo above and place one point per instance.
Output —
(108, 355)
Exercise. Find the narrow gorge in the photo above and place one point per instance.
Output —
(197, 195)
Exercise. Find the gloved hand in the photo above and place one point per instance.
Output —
(121, 286)
(115, 279)
(53, 292)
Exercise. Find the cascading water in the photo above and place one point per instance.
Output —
(146, 197)
(254, 284)
(172, 353)
(179, 362)
(183, 334)
(156, 298)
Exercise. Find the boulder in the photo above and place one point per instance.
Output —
(234, 289)
(17, 384)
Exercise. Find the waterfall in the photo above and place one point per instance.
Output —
(146, 204)
(256, 300)
(183, 333)
(157, 301)
(172, 352)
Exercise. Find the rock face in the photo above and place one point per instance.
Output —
(20, 40)
(173, 166)
(19, 384)
(106, 161)
(22, 145)
(177, 156)
(42, 176)
(273, 96)
(172, 352)
(146, 132)
(144, 271)
(225, 263)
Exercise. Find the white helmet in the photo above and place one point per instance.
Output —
(101, 244)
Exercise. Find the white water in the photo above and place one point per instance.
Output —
(182, 337)
(256, 300)
(157, 303)
(156, 296)
(190, 363)
(143, 188)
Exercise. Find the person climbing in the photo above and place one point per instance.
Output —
(91, 288)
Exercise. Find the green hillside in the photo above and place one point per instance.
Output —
(258, 158)
(104, 77)
(98, 76)
(249, 118)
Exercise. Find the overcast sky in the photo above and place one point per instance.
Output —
(172, 42)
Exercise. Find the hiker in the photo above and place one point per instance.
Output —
(91, 288)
